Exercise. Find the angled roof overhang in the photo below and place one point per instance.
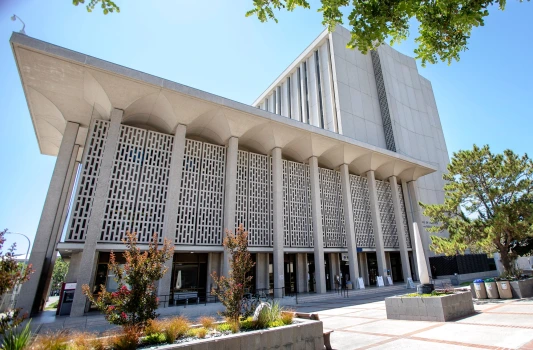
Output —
(62, 85)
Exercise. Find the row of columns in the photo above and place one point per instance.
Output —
(43, 251)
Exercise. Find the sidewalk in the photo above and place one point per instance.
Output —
(363, 324)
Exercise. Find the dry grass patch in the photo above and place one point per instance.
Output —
(207, 322)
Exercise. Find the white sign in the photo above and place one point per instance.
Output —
(489, 286)
(361, 283)
(503, 285)
(344, 257)
(410, 283)
(380, 281)
(477, 286)
(389, 280)
(70, 286)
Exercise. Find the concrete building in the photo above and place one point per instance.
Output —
(325, 169)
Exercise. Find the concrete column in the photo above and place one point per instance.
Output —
(364, 268)
(59, 224)
(73, 268)
(376, 224)
(29, 298)
(230, 194)
(406, 269)
(414, 199)
(213, 265)
(94, 227)
(334, 268)
(261, 271)
(349, 225)
(409, 214)
(301, 273)
(318, 237)
(172, 202)
(277, 197)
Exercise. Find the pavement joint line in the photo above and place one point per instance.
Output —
(360, 324)
(496, 325)
(509, 313)
(451, 342)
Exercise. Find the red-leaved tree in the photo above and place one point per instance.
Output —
(230, 289)
(135, 301)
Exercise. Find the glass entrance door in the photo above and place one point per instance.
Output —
(372, 262)
(311, 275)
(290, 273)
(396, 266)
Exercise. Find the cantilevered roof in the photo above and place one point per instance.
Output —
(63, 85)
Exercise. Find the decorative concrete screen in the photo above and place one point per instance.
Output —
(124, 184)
(259, 201)
(364, 231)
(404, 218)
(386, 214)
(186, 224)
(241, 209)
(211, 195)
(81, 209)
(301, 229)
(286, 209)
(152, 194)
(332, 208)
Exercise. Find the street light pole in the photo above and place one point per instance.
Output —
(29, 243)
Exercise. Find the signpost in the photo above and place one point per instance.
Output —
(389, 280)
(361, 283)
(410, 284)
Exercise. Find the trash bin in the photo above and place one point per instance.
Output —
(479, 287)
(492, 289)
(504, 288)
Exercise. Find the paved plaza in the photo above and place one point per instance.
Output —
(362, 324)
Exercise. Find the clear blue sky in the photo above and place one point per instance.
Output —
(486, 98)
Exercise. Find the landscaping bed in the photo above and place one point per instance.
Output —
(438, 306)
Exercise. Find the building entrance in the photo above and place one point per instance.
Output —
(189, 277)
(396, 267)
(311, 282)
(345, 272)
(372, 263)
(290, 273)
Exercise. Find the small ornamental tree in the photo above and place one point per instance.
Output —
(12, 274)
(135, 301)
(230, 289)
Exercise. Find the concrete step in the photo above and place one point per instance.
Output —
(307, 298)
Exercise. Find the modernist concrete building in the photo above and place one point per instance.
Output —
(325, 169)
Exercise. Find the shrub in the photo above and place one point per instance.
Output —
(86, 341)
(224, 327)
(175, 327)
(230, 289)
(154, 338)
(128, 339)
(199, 332)
(51, 341)
(134, 306)
(276, 323)
(15, 339)
(287, 317)
(248, 324)
(207, 322)
(155, 326)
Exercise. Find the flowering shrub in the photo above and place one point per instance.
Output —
(134, 305)
(230, 289)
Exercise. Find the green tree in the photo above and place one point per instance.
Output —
(134, 303)
(444, 26)
(488, 204)
(230, 289)
(59, 273)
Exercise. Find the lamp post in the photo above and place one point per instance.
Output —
(14, 18)
(29, 243)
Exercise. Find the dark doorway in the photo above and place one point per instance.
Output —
(252, 272)
(372, 263)
(311, 282)
(396, 267)
(326, 272)
(290, 273)
(189, 276)
(345, 273)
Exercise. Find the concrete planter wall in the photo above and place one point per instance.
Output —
(522, 289)
(439, 309)
(306, 334)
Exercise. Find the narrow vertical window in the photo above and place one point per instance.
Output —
(266, 104)
(319, 87)
(299, 75)
(289, 103)
(274, 102)
(280, 98)
(306, 94)
(333, 82)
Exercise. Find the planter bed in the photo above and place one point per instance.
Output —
(305, 334)
(439, 308)
(522, 288)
